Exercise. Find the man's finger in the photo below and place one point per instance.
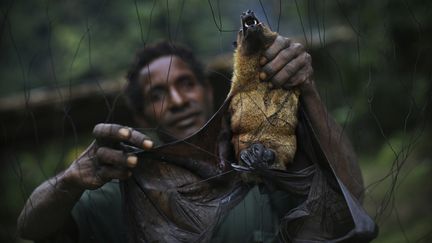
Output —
(283, 58)
(302, 76)
(271, 52)
(116, 158)
(282, 78)
(140, 140)
(111, 131)
(120, 133)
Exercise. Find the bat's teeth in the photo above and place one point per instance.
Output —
(250, 25)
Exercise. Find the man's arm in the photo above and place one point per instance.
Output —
(48, 209)
(287, 65)
(333, 141)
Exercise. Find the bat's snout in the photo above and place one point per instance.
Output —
(253, 34)
(248, 20)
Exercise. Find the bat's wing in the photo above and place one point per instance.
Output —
(180, 191)
(206, 152)
(328, 210)
(348, 183)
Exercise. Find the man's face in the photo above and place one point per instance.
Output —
(174, 100)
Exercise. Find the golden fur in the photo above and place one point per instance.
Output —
(260, 113)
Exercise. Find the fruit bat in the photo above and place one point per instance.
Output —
(259, 113)
(180, 191)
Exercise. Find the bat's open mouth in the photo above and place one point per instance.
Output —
(249, 21)
(251, 35)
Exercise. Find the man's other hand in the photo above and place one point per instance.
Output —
(104, 160)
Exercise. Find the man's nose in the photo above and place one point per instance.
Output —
(177, 99)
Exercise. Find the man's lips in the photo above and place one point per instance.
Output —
(185, 121)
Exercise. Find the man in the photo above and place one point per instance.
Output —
(166, 90)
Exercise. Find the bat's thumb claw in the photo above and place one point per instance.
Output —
(240, 168)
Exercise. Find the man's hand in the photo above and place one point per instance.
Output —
(103, 160)
(286, 64)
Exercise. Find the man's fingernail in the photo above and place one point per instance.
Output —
(262, 75)
(132, 161)
(263, 61)
(148, 144)
(124, 132)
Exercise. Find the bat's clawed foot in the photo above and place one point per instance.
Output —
(256, 156)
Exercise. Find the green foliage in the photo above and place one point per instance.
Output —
(406, 215)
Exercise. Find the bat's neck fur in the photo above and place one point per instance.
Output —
(246, 60)
(245, 72)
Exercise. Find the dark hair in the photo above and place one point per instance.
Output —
(150, 53)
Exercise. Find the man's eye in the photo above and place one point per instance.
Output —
(187, 83)
(156, 95)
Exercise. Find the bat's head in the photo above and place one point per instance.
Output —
(253, 36)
